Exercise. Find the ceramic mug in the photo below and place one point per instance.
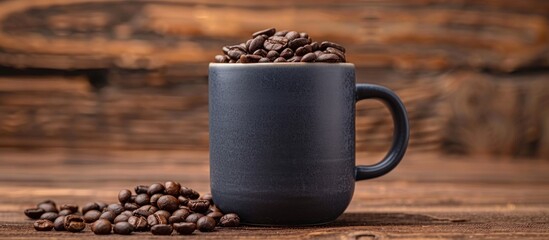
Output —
(282, 140)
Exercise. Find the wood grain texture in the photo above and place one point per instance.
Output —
(427, 197)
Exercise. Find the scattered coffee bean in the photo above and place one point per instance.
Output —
(260, 52)
(300, 51)
(49, 216)
(101, 227)
(269, 32)
(127, 213)
(182, 213)
(256, 44)
(189, 193)
(298, 42)
(287, 53)
(161, 229)
(154, 198)
(102, 205)
(59, 224)
(141, 189)
(324, 45)
(309, 57)
(138, 223)
(48, 207)
(281, 33)
(155, 188)
(206, 224)
(215, 215)
(275, 43)
(194, 217)
(74, 223)
(172, 188)
(124, 196)
(130, 206)
(168, 203)
(156, 219)
(291, 35)
(123, 228)
(71, 207)
(150, 208)
(121, 218)
(89, 206)
(229, 220)
(92, 216)
(183, 200)
(108, 215)
(164, 213)
(143, 199)
(200, 206)
(184, 228)
(175, 219)
(34, 213)
(141, 212)
(43, 225)
(66, 212)
(272, 55)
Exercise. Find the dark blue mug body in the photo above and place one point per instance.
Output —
(282, 140)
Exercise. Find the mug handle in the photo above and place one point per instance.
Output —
(401, 130)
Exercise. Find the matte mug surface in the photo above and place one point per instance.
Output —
(282, 140)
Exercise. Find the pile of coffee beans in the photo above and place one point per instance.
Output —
(158, 208)
(269, 45)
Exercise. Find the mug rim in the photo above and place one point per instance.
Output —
(280, 65)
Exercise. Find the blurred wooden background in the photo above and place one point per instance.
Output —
(110, 75)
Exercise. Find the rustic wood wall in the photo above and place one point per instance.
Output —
(110, 74)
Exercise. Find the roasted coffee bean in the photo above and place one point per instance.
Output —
(34, 213)
(155, 188)
(124, 196)
(102, 205)
(314, 46)
(139, 189)
(50, 216)
(249, 58)
(66, 212)
(172, 188)
(138, 223)
(121, 218)
(175, 219)
(101, 227)
(264, 60)
(304, 35)
(43, 225)
(269, 32)
(328, 57)
(207, 196)
(185, 207)
(123, 228)
(281, 33)
(189, 193)
(182, 213)
(156, 219)
(149, 208)
(183, 200)
(295, 59)
(154, 198)
(200, 206)
(256, 43)
(184, 228)
(74, 223)
(248, 42)
(108, 215)
(141, 212)
(92, 216)
(71, 207)
(143, 199)
(222, 58)
(235, 53)
(275, 43)
(130, 206)
(260, 52)
(164, 213)
(280, 59)
(48, 201)
(324, 45)
(116, 208)
(230, 220)
(337, 52)
(272, 55)
(59, 223)
(206, 224)
(168, 203)
(298, 42)
(292, 35)
(215, 215)
(194, 217)
(127, 213)
(89, 206)
(225, 49)
(318, 53)
(309, 57)
(241, 47)
(301, 51)
(48, 207)
(213, 208)
(287, 53)
(162, 229)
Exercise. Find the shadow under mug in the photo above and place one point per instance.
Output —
(282, 140)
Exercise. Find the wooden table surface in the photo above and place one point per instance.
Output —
(429, 196)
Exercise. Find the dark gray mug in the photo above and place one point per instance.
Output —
(282, 140)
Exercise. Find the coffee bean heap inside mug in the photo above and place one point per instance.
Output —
(268, 45)
(159, 208)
